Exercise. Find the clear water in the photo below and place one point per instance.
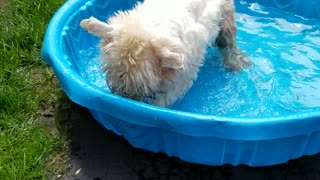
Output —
(284, 77)
(90, 67)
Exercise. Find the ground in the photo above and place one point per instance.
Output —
(30, 148)
(99, 154)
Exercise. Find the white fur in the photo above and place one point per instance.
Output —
(179, 30)
(191, 23)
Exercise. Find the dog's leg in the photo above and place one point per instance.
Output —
(234, 58)
(96, 27)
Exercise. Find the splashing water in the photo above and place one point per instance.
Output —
(90, 67)
(284, 77)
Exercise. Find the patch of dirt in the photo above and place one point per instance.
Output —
(1, 3)
(59, 163)
(55, 119)
(54, 116)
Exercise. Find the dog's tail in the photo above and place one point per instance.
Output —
(96, 27)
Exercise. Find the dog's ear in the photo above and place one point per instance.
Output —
(170, 60)
(96, 27)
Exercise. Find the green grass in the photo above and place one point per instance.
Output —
(26, 88)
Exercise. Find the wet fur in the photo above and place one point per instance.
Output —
(152, 53)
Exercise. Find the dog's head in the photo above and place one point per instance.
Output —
(137, 61)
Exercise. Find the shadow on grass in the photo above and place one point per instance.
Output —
(96, 153)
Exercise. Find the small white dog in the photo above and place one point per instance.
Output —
(154, 51)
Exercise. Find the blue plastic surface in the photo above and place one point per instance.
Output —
(193, 137)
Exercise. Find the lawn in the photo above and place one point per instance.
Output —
(29, 92)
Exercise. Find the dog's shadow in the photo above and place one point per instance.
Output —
(97, 153)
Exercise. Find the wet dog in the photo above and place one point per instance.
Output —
(154, 50)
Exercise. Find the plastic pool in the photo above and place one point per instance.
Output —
(194, 130)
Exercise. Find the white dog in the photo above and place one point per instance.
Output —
(154, 51)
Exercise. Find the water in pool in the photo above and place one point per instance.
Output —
(284, 77)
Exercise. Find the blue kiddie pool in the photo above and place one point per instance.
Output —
(262, 116)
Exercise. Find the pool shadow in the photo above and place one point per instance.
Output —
(99, 154)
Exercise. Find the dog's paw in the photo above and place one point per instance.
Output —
(87, 24)
(236, 60)
(242, 60)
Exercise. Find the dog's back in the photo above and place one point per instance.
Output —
(155, 50)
